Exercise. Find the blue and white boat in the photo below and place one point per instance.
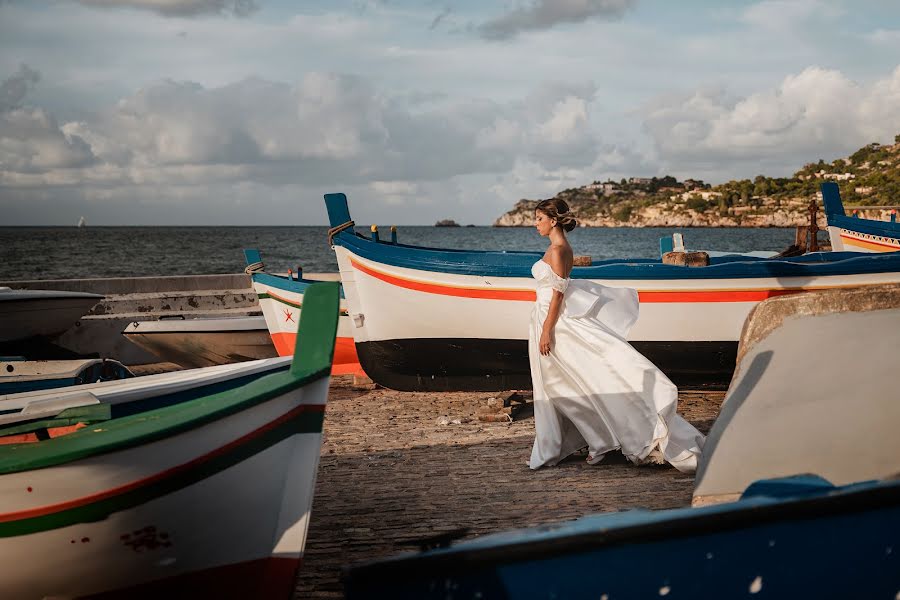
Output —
(446, 319)
(281, 300)
(852, 234)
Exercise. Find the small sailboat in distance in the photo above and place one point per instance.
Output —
(82, 222)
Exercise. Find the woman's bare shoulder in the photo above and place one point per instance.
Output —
(560, 258)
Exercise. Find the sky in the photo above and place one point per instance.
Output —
(245, 112)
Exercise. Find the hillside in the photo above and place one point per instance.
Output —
(868, 177)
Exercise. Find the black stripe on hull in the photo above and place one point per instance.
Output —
(447, 365)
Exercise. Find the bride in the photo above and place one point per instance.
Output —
(591, 387)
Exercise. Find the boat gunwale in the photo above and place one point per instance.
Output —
(500, 263)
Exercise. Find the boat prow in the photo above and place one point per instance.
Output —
(851, 234)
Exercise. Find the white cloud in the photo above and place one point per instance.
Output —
(325, 130)
(545, 14)
(182, 8)
(787, 14)
(816, 113)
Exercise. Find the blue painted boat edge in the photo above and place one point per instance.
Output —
(631, 527)
(281, 282)
(518, 264)
(836, 215)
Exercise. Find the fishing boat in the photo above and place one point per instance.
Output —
(281, 299)
(28, 314)
(838, 350)
(201, 342)
(127, 396)
(438, 319)
(806, 437)
(786, 538)
(206, 498)
(853, 234)
(20, 375)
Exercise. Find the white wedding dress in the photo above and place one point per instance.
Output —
(595, 389)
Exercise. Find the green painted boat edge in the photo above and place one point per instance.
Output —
(312, 361)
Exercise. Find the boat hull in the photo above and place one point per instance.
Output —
(234, 492)
(441, 364)
(41, 313)
(281, 305)
(219, 342)
(417, 329)
(774, 549)
(852, 234)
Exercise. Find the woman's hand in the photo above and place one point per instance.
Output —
(545, 342)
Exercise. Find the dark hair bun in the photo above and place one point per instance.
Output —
(559, 210)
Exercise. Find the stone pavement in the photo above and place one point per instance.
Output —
(400, 466)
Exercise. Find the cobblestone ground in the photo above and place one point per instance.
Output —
(397, 466)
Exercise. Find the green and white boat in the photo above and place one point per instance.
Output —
(209, 497)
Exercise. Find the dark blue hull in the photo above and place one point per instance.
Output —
(838, 545)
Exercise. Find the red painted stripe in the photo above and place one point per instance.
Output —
(84, 500)
(646, 296)
(714, 295)
(445, 290)
(272, 577)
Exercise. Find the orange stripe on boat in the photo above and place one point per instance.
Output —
(647, 296)
(855, 241)
(77, 502)
(345, 359)
(448, 290)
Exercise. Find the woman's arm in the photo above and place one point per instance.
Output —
(555, 259)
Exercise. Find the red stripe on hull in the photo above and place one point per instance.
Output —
(462, 292)
(714, 295)
(272, 577)
(345, 359)
(528, 295)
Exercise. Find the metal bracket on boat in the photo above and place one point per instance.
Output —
(336, 230)
(358, 319)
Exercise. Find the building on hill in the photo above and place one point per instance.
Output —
(640, 180)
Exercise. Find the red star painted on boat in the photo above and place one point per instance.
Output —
(288, 315)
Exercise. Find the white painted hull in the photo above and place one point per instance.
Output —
(196, 343)
(254, 510)
(281, 309)
(382, 311)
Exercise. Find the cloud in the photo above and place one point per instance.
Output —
(182, 8)
(326, 129)
(546, 14)
(15, 88)
(31, 141)
(816, 113)
(437, 20)
(787, 14)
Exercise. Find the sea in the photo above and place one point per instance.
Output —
(70, 252)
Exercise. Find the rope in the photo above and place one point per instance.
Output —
(336, 230)
(254, 268)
